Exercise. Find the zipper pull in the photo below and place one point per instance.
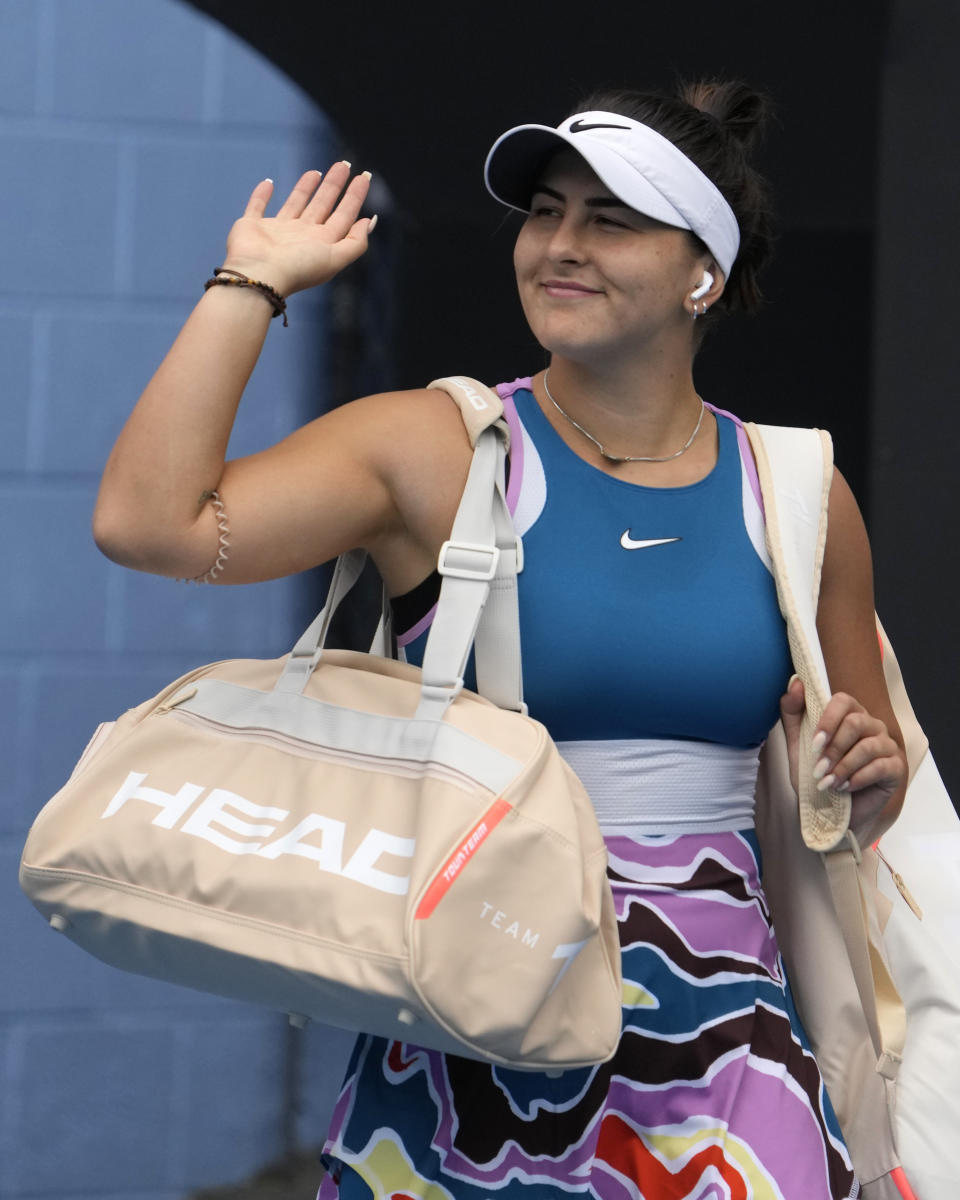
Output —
(901, 886)
(175, 699)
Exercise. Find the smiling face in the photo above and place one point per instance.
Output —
(598, 279)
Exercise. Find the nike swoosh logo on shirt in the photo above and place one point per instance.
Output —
(628, 543)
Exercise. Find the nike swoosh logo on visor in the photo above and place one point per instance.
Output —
(581, 127)
(628, 543)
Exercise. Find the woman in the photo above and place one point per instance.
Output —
(644, 221)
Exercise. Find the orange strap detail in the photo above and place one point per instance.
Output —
(444, 878)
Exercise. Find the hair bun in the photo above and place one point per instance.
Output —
(742, 111)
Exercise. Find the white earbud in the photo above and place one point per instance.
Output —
(706, 283)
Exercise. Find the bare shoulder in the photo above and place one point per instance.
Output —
(412, 448)
(384, 472)
(424, 461)
(413, 442)
(385, 428)
(424, 420)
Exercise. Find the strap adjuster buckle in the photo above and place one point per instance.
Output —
(468, 560)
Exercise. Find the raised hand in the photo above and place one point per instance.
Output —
(854, 753)
(315, 234)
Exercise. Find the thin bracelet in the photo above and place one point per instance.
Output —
(228, 278)
(222, 546)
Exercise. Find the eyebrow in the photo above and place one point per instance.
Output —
(591, 201)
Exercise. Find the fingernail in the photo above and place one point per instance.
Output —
(373, 222)
(792, 680)
(346, 162)
(825, 784)
(366, 174)
(821, 768)
(268, 180)
(843, 787)
(819, 741)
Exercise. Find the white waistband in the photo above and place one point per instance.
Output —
(653, 786)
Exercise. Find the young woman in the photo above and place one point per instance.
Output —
(653, 648)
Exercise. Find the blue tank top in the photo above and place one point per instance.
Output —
(644, 612)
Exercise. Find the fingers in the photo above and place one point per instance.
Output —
(337, 202)
(792, 704)
(350, 247)
(333, 199)
(259, 199)
(300, 196)
(854, 749)
(792, 701)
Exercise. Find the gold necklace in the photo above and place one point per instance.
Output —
(624, 458)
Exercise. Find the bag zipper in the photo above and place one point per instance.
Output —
(305, 749)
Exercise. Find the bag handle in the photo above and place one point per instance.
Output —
(306, 652)
(469, 561)
(478, 564)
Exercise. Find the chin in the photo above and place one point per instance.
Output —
(578, 348)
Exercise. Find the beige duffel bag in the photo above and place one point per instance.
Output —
(349, 839)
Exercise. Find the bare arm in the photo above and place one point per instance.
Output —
(858, 738)
(150, 513)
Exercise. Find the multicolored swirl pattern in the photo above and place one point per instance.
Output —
(712, 1095)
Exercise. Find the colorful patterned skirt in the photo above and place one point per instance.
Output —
(713, 1093)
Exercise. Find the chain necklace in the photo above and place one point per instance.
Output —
(625, 458)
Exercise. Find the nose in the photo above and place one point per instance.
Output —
(566, 243)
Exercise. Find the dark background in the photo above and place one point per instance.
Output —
(857, 336)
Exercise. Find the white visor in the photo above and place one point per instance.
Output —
(640, 167)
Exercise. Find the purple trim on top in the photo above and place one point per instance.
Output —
(746, 454)
(516, 452)
(506, 390)
(411, 635)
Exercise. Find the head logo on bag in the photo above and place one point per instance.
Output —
(218, 811)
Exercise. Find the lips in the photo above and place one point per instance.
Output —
(568, 288)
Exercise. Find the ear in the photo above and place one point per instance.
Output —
(707, 288)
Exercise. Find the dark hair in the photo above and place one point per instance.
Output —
(716, 124)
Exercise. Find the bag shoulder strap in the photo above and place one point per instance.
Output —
(479, 405)
(795, 470)
(497, 658)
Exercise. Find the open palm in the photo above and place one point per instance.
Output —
(314, 235)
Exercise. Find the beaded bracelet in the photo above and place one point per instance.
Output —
(222, 546)
(228, 278)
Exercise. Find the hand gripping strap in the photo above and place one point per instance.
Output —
(795, 470)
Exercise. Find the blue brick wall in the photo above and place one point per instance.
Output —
(131, 132)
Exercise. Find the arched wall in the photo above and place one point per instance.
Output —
(130, 134)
